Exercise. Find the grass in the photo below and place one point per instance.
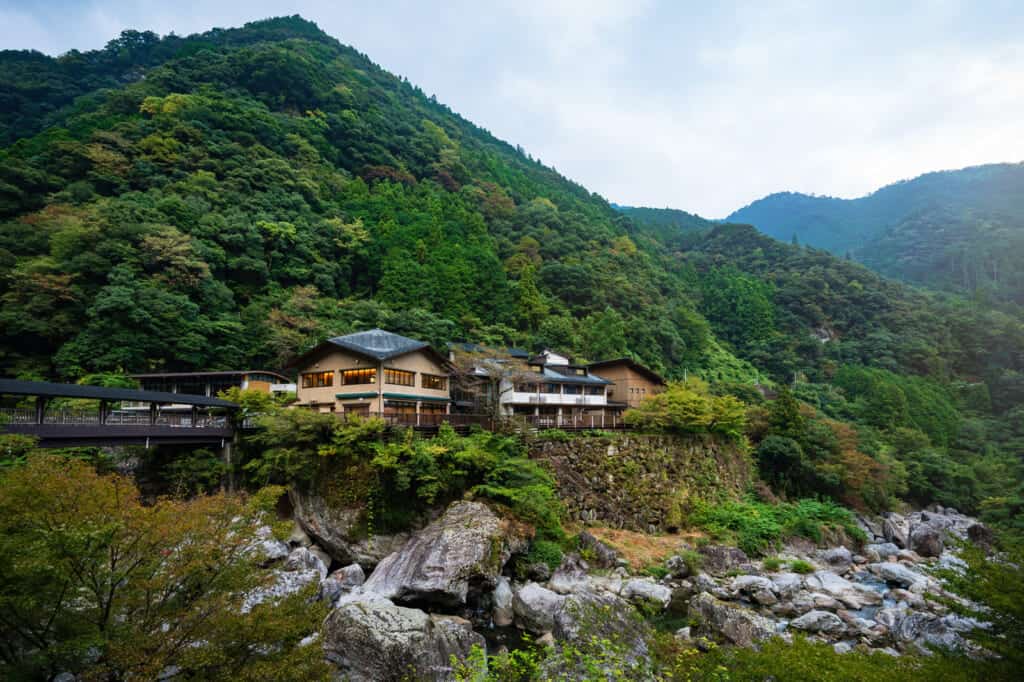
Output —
(641, 550)
(772, 563)
(756, 527)
(801, 566)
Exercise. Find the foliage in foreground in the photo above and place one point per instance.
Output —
(95, 583)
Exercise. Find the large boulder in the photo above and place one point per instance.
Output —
(586, 616)
(535, 608)
(647, 593)
(340, 532)
(341, 582)
(719, 559)
(838, 558)
(820, 621)
(457, 556)
(735, 624)
(852, 595)
(598, 553)
(981, 536)
(899, 574)
(501, 611)
(370, 639)
(926, 540)
(894, 530)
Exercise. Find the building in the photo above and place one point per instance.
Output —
(210, 384)
(552, 391)
(631, 381)
(375, 372)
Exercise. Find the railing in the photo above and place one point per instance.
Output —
(490, 423)
(64, 417)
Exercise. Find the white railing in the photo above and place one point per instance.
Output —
(65, 417)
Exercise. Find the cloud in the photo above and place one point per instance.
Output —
(701, 106)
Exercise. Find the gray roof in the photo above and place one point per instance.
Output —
(558, 377)
(378, 344)
(51, 390)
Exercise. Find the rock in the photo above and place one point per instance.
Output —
(539, 572)
(269, 548)
(908, 555)
(735, 624)
(787, 584)
(883, 550)
(704, 583)
(340, 531)
(871, 527)
(764, 597)
(299, 537)
(825, 601)
(819, 621)
(926, 540)
(683, 634)
(350, 576)
(893, 530)
(284, 583)
(852, 595)
(898, 574)
(681, 596)
(838, 558)
(748, 584)
(842, 647)
(302, 559)
(341, 582)
(569, 577)
(602, 555)
(546, 640)
(718, 559)
(645, 591)
(981, 536)
(586, 615)
(502, 613)
(677, 567)
(457, 556)
(535, 608)
(373, 639)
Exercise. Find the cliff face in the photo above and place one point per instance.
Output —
(643, 482)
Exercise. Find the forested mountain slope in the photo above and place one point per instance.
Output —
(229, 199)
(957, 230)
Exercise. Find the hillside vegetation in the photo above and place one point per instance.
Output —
(229, 199)
(955, 230)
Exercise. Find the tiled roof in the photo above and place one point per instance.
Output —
(50, 390)
(558, 377)
(378, 344)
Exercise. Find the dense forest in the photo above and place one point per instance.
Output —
(229, 199)
(959, 231)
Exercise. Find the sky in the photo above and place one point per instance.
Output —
(703, 106)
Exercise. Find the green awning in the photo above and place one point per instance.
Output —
(354, 396)
(424, 398)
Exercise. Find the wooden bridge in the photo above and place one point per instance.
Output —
(114, 416)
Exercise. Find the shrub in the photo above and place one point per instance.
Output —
(693, 560)
(801, 566)
(772, 563)
(689, 408)
(755, 526)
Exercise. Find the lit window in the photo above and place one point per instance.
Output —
(537, 368)
(581, 372)
(317, 379)
(358, 376)
(435, 382)
(399, 377)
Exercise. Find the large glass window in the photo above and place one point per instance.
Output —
(550, 388)
(435, 382)
(399, 377)
(526, 388)
(595, 390)
(572, 389)
(317, 379)
(358, 376)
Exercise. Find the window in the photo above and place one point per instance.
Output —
(580, 372)
(595, 390)
(550, 388)
(399, 377)
(537, 368)
(317, 379)
(358, 376)
(435, 382)
(572, 389)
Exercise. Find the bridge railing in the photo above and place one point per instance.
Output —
(68, 417)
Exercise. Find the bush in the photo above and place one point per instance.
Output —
(755, 526)
(801, 566)
(772, 563)
(690, 408)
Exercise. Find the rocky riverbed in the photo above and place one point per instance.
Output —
(450, 586)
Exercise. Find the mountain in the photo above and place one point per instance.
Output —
(957, 230)
(229, 199)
